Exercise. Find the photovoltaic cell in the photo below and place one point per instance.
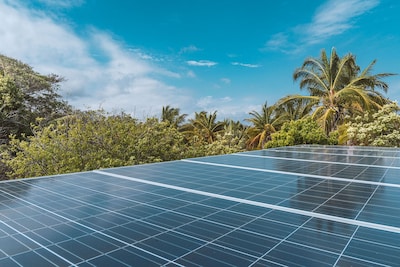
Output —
(291, 206)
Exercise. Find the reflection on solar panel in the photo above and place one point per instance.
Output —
(289, 206)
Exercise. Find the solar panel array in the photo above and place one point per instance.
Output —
(290, 206)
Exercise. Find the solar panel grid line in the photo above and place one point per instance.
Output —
(225, 225)
(340, 255)
(385, 255)
(292, 173)
(270, 206)
(219, 214)
(60, 175)
(364, 170)
(202, 240)
(331, 197)
(376, 243)
(241, 226)
(347, 150)
(235, 251)
(331, 157)
(32, 240)
(342, 147)
(358, 214)
(197, 218)
(85, 226)
(131, 218)
(331, 154)
(316, 161)
(57, 264)
(364, 262)
(283, 240)
(335, 254)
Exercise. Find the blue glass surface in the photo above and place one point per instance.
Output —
(297, 206)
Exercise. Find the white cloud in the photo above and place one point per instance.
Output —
(226, 80)
(335, 17)
(209, 102)
(246, 65)
(191, 74)
(277, 40)
(332, 18)
(100, 72)
(204, 102)
(188, 49)
(62, 4)
(201, 63)
(227, 107)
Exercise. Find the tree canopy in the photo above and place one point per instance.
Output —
(92, 140)
(381, 128)
(303, 131)
(25, 96)
(263, 125)
(42, 135)
(338, 87)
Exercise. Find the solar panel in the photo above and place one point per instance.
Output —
(292, 206)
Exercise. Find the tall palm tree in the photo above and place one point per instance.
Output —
(264, 124)
(338, 87)
(172, 115)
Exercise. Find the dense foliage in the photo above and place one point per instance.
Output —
(26, 95)
(92, 140)
(338, 87)
(303, 131)
(376, 129)
(264, 125)
(42, 135)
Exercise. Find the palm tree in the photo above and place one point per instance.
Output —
(338, 88)
(293, 109)
(204, 126)
(234, 128)
(264, 124)
(172, 115)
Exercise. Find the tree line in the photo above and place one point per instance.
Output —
(41, 134)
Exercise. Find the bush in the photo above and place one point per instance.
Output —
(378, 129)
(303, 131)
(92, 140)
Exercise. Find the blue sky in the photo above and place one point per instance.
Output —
(228, 56)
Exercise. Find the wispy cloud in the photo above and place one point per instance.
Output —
(201, 63)
(277, 41)
(335, 17)
(227, 107)
(100, 71)
(209, 103)
(226, 80)
(332, 18)
(191, 74)
(62, 4)
(246, 65)
(189, 49)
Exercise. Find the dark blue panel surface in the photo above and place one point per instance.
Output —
(295, 206)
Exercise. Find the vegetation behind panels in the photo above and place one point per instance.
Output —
(42, 135)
